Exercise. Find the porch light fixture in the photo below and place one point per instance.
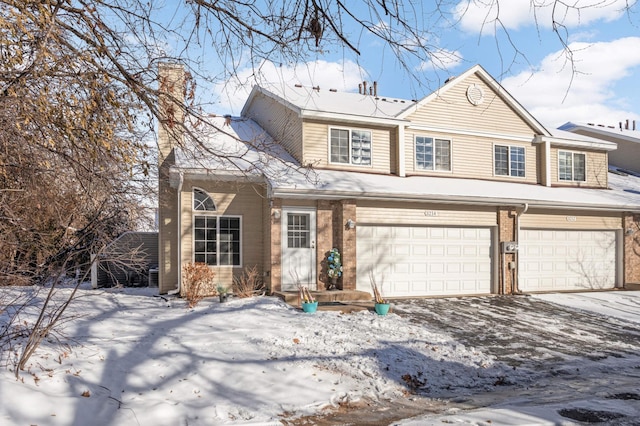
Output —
(276, 214)
(351, 224)
(629, 231)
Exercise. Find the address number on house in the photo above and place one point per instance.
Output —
(571, 218)
(430, 213)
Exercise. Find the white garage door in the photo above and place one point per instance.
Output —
(552, 260)
(424, 261)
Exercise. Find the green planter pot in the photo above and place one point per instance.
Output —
(310, 307)
(382, 308)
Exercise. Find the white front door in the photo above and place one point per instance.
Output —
(298, 248)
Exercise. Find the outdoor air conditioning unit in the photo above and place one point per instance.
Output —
(509, 247)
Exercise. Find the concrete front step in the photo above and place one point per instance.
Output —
(326, 296)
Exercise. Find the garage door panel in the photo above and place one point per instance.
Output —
(567, 260)
(425, 260)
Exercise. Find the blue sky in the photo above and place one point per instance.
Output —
(605, 41)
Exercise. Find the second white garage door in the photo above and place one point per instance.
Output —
(555, 260)
(424, 261)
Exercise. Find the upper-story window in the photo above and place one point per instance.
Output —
(216, 239)
(508, 160)
(572, 166)
(433, 154)
(349, 146)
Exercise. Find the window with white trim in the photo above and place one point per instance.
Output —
(348, 146)
(433, 154)
(216, 239)
(508, 160)
(572, 166)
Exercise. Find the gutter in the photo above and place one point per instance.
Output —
(516, 282)
(179, 223)
(448, 199)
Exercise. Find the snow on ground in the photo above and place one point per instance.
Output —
(137, 359)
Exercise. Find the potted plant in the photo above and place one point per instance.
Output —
(334, 267)
(381, 304)
(223, 293)
(308, 302)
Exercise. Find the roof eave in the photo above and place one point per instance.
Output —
(447, 199)
(600, 145)
(352, 118)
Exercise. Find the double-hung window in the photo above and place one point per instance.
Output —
(508, 160)
(433, 154)
(216, 239)
(571, 166)
(348, 146)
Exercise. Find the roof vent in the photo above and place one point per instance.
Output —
(227, 119)
(298, 85)
(316, 88)
(333, 90)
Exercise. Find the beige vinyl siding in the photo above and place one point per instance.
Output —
(596, 165)
(399, 213)
(316, 147)
(231, 199)
(453, 110)
(281, 123)
(299, 203)
(538, 219)
(472, 157)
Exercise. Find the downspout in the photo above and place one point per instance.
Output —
(179, 222)
(516, 282)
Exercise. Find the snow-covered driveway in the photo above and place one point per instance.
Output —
(571, 354)
(527, 332)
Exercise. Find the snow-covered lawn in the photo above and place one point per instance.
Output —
(137, 359)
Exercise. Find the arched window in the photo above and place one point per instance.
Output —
(203, 201)
(216, 239)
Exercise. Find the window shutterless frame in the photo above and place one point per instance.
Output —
(217, 239)
(509, 160)
(572, 166)
(431, 154)
(349, 146)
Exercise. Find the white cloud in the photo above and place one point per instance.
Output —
(343, 76)
(481, 15)
(441, 60)
(555, 94)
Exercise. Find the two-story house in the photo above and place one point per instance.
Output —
(463, 192)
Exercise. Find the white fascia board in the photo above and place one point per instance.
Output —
(471, 133)
(351, 118)
(603, 145)
(217, 175)
(447, 199)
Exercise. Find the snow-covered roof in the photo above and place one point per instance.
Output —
(233, 147)
(243, 149)
(334, 184)
(619, 132)
(567, 138)
(320, 102)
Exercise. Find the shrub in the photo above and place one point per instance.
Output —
(197, 282)
(249, 283)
